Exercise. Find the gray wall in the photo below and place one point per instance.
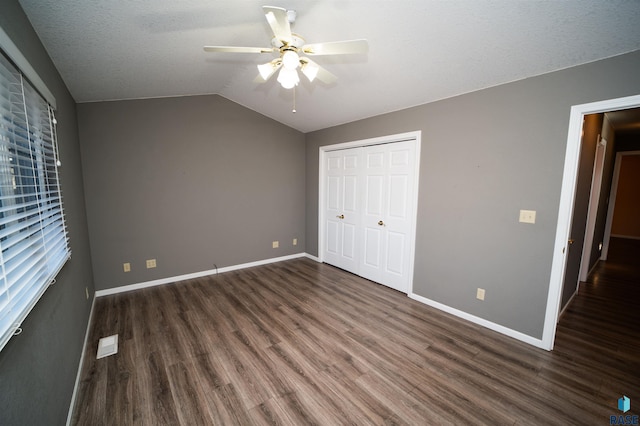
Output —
(485, 156)
(188, 181)
(38, 368)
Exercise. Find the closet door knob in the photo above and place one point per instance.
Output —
(340, 216)
(381, 223)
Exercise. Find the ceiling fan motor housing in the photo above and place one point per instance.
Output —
(296, 43)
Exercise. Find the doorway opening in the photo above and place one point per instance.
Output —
(566, 208)
(626, 163)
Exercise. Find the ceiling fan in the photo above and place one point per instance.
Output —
(290, 48)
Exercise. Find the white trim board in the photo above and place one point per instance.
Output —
(312, 257)
(480, 321)
(81, 363)
(565, 210)
(169, 280)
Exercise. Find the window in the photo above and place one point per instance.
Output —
(33, 236)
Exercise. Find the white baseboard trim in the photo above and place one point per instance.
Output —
(169, 280)
(312, 257)
(480, 321)
(78, 375)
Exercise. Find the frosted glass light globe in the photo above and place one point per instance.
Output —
(290, 60)
(288, 78)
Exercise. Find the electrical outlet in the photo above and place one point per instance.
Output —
(151, 263)
(480, 294)
(295, 241)
(126, 267)
(275, 244)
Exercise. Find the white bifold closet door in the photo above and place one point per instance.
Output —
(343, 209)
(369, 211)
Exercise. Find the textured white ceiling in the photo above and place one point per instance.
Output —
(419, 50)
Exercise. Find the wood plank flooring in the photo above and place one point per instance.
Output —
(297, 343)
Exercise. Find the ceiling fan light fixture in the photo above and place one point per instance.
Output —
(310, 70)
(289, 46)
(290, 60)
(266, 70)
(288, 78)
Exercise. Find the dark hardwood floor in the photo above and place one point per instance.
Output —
(297, 343)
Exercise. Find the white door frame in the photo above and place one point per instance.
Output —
(401, 137)
(565, 211)
(612, 201)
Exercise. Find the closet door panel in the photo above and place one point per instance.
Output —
(333, 207)
(351, 210)
(332, 238)
(350, 199)
(342, 210)
(374, 200)
(397, 226)
(333, 193)
(372, 244)
(374, 195)
(395, 253)
(397, 204)
(369, 211)
(349, 245)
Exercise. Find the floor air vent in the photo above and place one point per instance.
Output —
(107, 346)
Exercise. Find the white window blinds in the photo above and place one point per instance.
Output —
(33, 237)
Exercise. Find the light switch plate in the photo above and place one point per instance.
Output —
(528, 216)
(480, 294)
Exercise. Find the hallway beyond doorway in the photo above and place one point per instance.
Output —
(602, 322)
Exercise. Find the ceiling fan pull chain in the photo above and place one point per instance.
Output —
(294, 100)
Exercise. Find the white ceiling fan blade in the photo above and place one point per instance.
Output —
(311, 70)
(279, 23)
(267, 70)
(238, 49)
(337, 47)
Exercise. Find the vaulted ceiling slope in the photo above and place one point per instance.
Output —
(419, 50)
